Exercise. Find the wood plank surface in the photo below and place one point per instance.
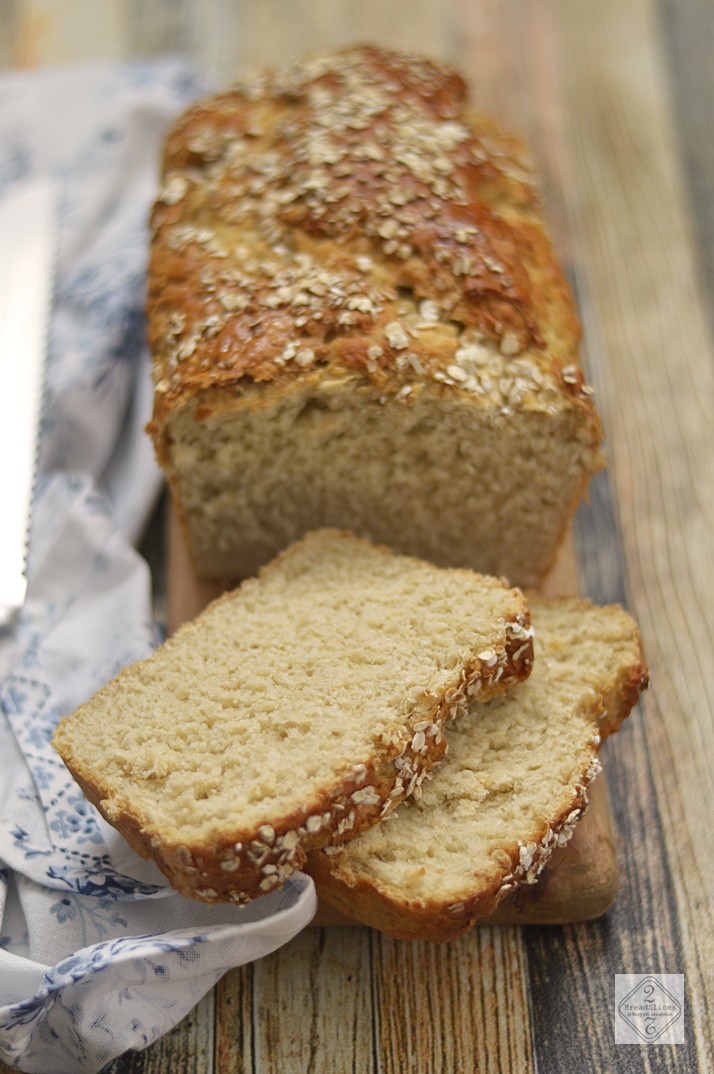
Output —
(277, 1014)
(639, 290)
(651, 360)
(616, 98)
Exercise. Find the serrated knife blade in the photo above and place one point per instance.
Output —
(28, 242)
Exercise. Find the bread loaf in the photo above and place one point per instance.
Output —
(357, 320)
(295, 711)
(512, 787)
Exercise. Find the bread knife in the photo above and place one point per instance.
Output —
(28, 239)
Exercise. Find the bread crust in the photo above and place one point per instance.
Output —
(352, 222)
(518, 862)
(480, 203)
(242, 863)
(375, 904)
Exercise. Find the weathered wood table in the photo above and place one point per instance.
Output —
(616, 98)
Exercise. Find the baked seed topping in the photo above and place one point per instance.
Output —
(350, 202)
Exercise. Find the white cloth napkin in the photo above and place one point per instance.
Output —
(97, 953)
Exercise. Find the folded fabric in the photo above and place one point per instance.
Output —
(97, 953)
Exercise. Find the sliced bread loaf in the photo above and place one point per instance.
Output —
(357, 320)
(512, 788)
(293, 712)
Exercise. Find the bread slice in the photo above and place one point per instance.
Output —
(357, 320)
(512, 788)
(294, 711)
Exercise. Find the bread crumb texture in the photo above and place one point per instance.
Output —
(357, 320)
(511, 789)
(297, 710)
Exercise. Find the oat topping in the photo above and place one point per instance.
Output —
(344, 212)
(532, 857)
(396, 336)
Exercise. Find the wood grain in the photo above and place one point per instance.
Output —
(280, 1013)
(158, 27)
(188, 1048)
(455, 1007)
(48, 33)
(9, 31)
(616, 98)
(275, 32)
(639, 297)
(654, 371)
(686, 33)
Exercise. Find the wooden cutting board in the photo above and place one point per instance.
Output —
(579, 882)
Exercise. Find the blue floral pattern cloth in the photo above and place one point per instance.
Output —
(97, 953)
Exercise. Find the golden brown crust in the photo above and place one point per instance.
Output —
(439, 921)
(241, 863)
(349, 215)
(518, 862)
